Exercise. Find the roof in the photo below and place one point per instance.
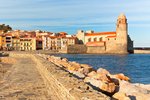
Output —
(63, 33)
(52, 37)
(111, 36)
(100, 33)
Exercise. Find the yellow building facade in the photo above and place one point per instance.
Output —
(27, 44)
(16, 43)
(0, 41)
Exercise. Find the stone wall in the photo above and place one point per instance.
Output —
(142, 51)
(75, 49)
(96, 49)
(61, 83)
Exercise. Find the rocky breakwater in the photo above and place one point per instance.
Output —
(117, 86)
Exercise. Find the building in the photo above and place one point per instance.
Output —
(8, 42)
(108, 42)
(58, 41)
(27, 44)
(16, 43)
(39, 43)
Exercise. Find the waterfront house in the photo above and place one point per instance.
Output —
(27, 43)
(16, 43)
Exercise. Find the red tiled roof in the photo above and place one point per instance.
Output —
(100, 33)
(63, 33)
(8, 34)
(52, 36)
(111, 36)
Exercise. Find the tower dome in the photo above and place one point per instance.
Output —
(122, 16)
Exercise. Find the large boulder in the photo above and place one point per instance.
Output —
(64, 59)
(104, 86)
(85, 69)
(102, 71)
(144, 86)
(121, 77)
(102, 77)
(73, 66)
(91, 74)
(108, 87)
(121, 96)
(78, 74)
(134, 91)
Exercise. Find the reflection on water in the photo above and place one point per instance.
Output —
(136, 66)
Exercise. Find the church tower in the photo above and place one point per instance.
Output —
(122, 33)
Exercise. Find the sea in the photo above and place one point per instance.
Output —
(135, 66)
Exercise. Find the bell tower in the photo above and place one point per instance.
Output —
(122, 32)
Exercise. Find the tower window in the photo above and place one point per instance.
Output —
(95, 39)
(89, 40)
(101, 39)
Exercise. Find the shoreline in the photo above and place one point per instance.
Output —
(102, 81)
(54, 52)
(97, 78)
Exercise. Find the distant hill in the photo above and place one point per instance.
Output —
(5, 28)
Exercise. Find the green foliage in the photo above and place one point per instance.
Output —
(6, 28)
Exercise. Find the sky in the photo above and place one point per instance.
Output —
(72, 15)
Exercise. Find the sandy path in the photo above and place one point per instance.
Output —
(23, 82)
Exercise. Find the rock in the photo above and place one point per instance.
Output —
(78, 74)
(57, 58)
(144, 86)
(102, 71)
(102, 77)
(134, 91)
(86, 79)
(129, 88)
(65, 64)
(139, 96)
(64, 59)
(114, 80)
(73, 66)
(105, 86)
(121, 96)
(108, 87)
(121, 77)
(91, 74)
(85, 69)
(92, 81)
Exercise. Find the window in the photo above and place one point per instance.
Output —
(100, 39)
(95, 39)
(89, 40)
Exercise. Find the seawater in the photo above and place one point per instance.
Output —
(135, 66)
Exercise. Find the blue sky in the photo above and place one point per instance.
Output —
(72, 15)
